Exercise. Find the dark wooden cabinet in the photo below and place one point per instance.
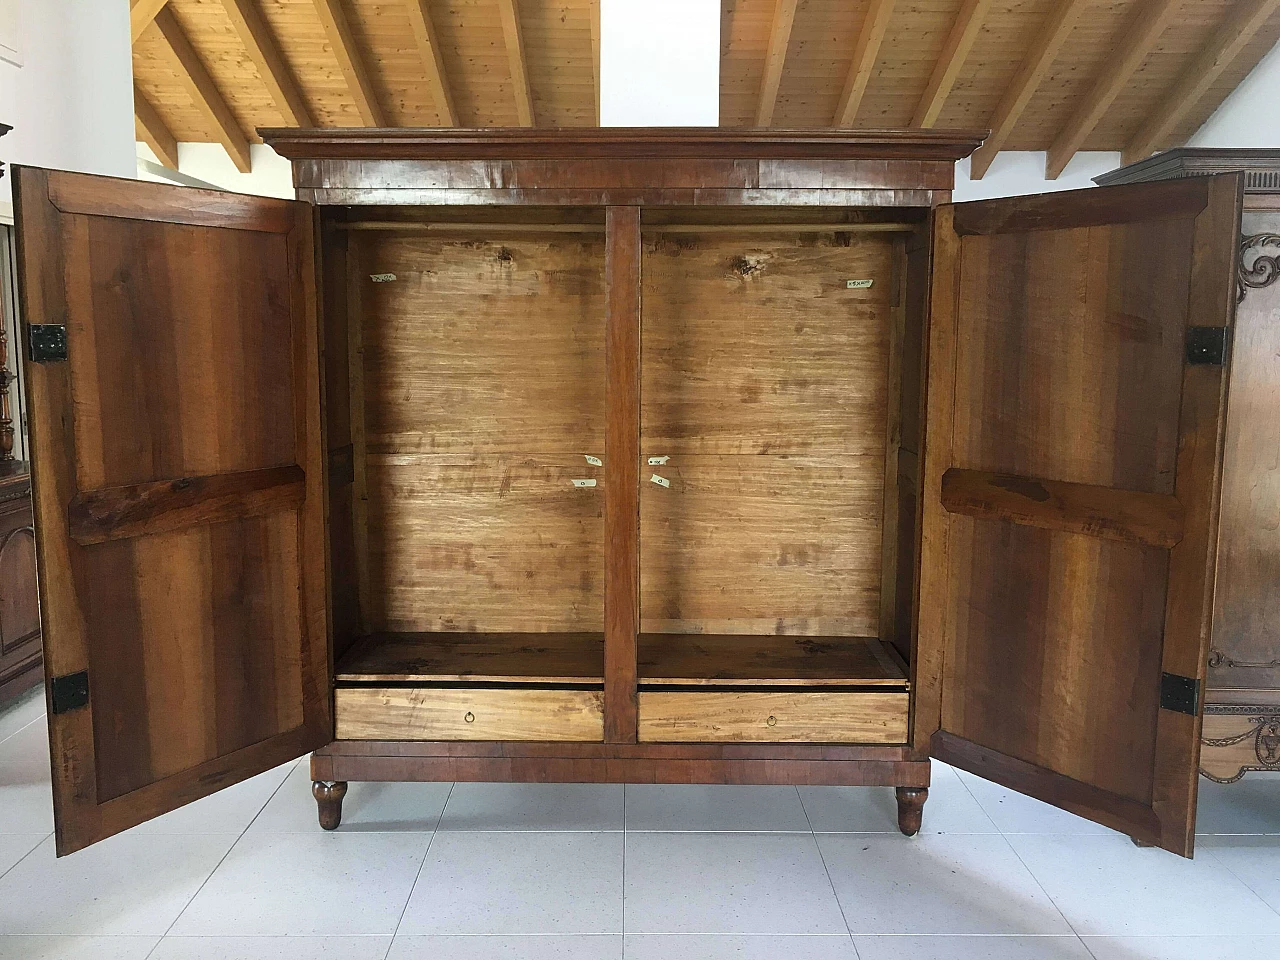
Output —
(1242, 701)
(20, 653)
(632, 456)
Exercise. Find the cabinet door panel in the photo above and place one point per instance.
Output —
(1072, 469)
(178, 498)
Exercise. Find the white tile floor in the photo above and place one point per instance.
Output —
(540, 871)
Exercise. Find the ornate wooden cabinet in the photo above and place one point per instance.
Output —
(626, 455)
(20, 655)
(1242, 702)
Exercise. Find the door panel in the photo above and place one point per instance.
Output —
(1073, 456)
(178, 491)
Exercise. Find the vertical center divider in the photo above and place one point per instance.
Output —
(621, 471)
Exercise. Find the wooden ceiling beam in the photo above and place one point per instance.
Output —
(865, 51)
(1018, 94)
(186, 63)
(150, 128)
(595, 51)
(1143, 32)
(265, 53)
(959, 42)
(784, 15)
(1240, 26)
(514, 36)
(424, 32)
(141, 13)
(338, 30)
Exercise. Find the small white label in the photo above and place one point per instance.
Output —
(382, 277)
(594, 461)
(584, 483)
(660, 481)
(658, 461)
(858, 284)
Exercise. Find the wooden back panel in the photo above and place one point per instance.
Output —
(179, 489)
(481, 381)
(766, 383)
(1073, 455)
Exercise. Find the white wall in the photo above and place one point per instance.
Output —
(1019, 172)
(71, 100)
(272, 174)
(1250, 116)
(660, 63)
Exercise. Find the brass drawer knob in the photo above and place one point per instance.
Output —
(772, 721)
(470, 717)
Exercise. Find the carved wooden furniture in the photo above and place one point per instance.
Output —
(1242, 700)
(626, 455)
(20, 654)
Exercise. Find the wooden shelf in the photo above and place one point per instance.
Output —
(675, 659)
(475, 658)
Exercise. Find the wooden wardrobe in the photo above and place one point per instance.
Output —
(1242, 700)
(681, 456)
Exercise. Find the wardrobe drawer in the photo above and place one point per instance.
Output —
(769, 717)
(431, 713)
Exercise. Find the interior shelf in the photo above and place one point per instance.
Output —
(676, 659)
(558, 658)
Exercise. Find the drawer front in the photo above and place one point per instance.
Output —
(427, 713)
(855, 717)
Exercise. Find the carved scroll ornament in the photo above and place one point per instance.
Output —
(1263, 270)
(1265, 731)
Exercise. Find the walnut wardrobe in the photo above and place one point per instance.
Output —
(717, 456)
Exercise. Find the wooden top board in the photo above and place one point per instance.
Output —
(660, 143)
(476, 658)
(727, 660)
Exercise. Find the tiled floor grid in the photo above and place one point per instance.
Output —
(587, 872)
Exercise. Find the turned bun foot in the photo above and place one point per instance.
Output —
(329, 801)
(911, 808)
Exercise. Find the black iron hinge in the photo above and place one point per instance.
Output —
(48, 342)
(70, 692)
(1206, 345)
(1179, 693)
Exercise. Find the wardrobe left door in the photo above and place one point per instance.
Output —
(172, 369)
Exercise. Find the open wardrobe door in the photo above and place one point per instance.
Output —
(1078, 355)
(173, 396)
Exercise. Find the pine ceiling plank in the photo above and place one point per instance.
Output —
(201, 89)
(865, 52)
(784, 15)
(595, 51)
(151, 129)
(1144, 30)
(514, 39)
(744, 42)
(1242, 23)
(275, 73)
(1037, 62)
(1260, 46)
(959, 43)
(424, 32)
(141, 13)
(557, 44)
(350, 62)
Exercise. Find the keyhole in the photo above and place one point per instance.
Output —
(470, 717)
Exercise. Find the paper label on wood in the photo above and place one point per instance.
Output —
(858, 284)
(382, 277)
(594, 461)
(658, 461)
(660, 481)
(584, 483)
